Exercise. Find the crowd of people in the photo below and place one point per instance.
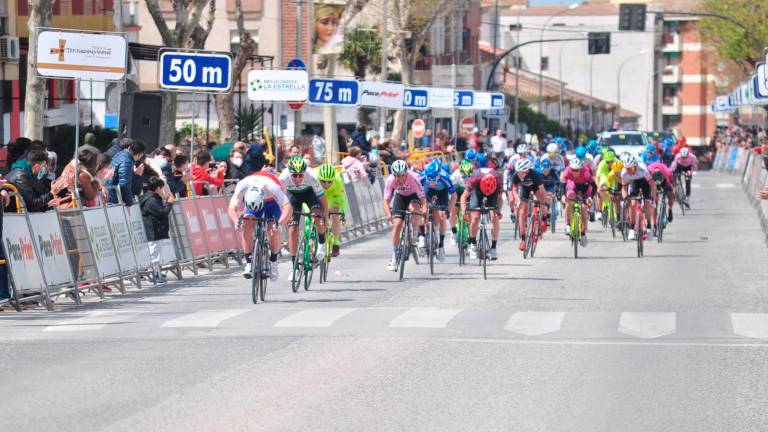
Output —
(748, 137)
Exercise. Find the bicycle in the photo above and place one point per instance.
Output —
(304, 264)
(638, 207)
(577, 225)
(609, 210)
(533, 231)
(462, 234)
(682, 199)
(661, 212)
(483, 243)
(624, 220)
(555, 211)
(260, 265)
(330, 239)
(432, 240)
(406, 248)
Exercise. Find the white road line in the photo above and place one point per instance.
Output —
(425, 317)
(535, 323)
(604, 342)
(95, 320)
(750, 325)
(204, 318)
(725, 185)
(319, 317)
(647, 325)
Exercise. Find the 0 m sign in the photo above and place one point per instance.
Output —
(85, 56)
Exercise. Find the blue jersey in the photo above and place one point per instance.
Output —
(651, 159)
(551, 181)
(442, 182)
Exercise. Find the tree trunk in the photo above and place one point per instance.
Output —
(225, 110)
(40, 12)
(168, 119)
(397, 132)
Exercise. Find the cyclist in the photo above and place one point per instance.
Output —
(464, 172)
(554, 158)
(488, 187)
(662, 176)
(549, 177)
(578, 181)
(438, 187)
(404, 185)
(685, 163)
(509, 174)
(527, 182)
(470, 155)
(304, 188)
(608, 180)
(259, 196)
(636, 179)
(666, 150)
(336, 196)
(651, 155)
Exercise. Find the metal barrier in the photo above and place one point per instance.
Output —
(754, 175)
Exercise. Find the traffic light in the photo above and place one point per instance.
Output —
(599, 43)
(632, 17)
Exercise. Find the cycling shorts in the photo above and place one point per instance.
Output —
(682, 169)
(307, 197)
(441, 203)
(573, 189)
(336, 201)
(476, 200)
(640, 185)
(270, 211)
(400, 204)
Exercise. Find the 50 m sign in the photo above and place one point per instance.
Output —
(195, 71)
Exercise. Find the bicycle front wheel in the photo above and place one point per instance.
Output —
(431, 249)
(403, 250)
(639, 232)
(256, 272)
(298, 265)
(483, 252)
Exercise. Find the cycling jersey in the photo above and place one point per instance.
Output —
(335, 194)
(550, 181)
(442, 182)
(606, 176)
(411, 186)
(528, 185)
(510, 170)
(272, 190)
(558, 163)
(578, 181)
(666, 172)
(640, 173)
(308, 183)
(459, 181)
(684, 162)
(472, 185)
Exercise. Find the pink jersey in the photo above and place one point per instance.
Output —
(685, 162)
(411, 185)
(584, 175)
(666, 172)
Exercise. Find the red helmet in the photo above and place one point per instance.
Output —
(488, 184)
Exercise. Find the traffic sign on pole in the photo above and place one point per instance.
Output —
(329, 91)
(195, 71)
(298, 64)
(467, 123)
(418, 127)
(416, 98)
(463, 98)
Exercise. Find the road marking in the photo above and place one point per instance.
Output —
(320, 317)
(95, 320)
(604, 342)
(535, 323)
(647, 325)
(204, 318)
(725, 185)
(425, 317)
(750, 325)
(695, 185)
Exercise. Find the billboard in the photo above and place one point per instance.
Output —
(327, 36)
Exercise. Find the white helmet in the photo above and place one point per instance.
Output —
(552, 148)
(624, 156)
(399, 167)
(523, 165)
(522, 148)
(576, 164)
(631, 162)
(509, 152)
(254, 199)
(684, 152)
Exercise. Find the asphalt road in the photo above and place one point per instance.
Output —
(675, 341)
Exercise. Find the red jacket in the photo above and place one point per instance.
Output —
(200, 174)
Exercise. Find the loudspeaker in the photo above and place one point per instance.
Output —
(140, 117)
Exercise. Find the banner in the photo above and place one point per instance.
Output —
(381, 94)
(122, 238)
(194, 227)
(482, 101)
(228, 235)
(86, 56)
(211, 228)
(278, 85)
(53, 255)
(20, 253)
(101, 243)
(441, 98)
(139, 235)
(327, 36)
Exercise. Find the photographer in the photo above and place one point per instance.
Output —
(205, 171)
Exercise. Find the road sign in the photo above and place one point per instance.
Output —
(418, 127)
(328, 91)
(467, 123)
(84, 56)
(497, 100)
(463, 98)
(495, 113)
(441, 98)
(193, 71)
(482, 101)
(296, 63)
(277, 85)
(416, 98)
(381, 94)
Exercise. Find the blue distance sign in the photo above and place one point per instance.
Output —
(327, 91)
(195, 72)
(463, 98)
(497, 100)
(416, 98)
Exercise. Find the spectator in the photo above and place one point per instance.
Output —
(318, 150)
(180, 176)
(53, 162)
(353, 164)
(118, 144)
(161, 163)
(461, 143)
(359, 140)
(89, 185)
(64, 186)
(126, 174)
(4, 292)
(17, 149)
(202, 173)
(499, 144)
(344, 140)
(254, 159)
(426, 140)
(235, 167)
(155, 213)
(36, 193)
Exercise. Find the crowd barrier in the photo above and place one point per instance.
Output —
(94, 249)
(752, 170)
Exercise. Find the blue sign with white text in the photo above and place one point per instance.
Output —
(497, 100)
(324, 91)
(195, 72)
(416, 98)
(463, 98)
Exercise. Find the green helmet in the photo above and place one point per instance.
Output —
(326, 172)
(609, 156)
(466, 167)
(297, 165)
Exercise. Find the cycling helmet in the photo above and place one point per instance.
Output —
(432, 171)
(297, 165)
(658, 177)
(481, 162)
(576, 164)
(558, 140)
(617, 166)
(523, 165)
(254, 199)
(488, 185)
(552, 148)
(624, 156)
(684, 152)
(631, 162)
(609, 156)
(509, 152)
(493, 161)
(581, 152)
(669, 143)
(466, 168)
(522, 148)
(471, 155)
(399, 167)
(650, 148)
(326, 172)
(546, 164)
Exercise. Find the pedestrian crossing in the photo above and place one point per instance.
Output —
(397, 320)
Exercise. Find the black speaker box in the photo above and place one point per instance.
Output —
(140, 117)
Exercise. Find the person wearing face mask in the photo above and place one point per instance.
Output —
(161, 163)
(235, 166)
(127, 174)
(28, 179)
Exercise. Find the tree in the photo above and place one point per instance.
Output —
(732, 42)
(362, 54)
(40, 12)
(413, 21)
(186, 33)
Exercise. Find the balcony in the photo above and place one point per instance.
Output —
(671, 106)
(671, 75)
(674, 43)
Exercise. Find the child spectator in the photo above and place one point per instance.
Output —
(155, 213)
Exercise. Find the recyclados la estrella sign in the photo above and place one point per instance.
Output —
(380, 94)
(278, 85)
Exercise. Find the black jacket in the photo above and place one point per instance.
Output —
(36, 193)
(155, 213)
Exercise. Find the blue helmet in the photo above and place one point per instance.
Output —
(546, 164)
(480, 161)
(650, 148)
(432, 171)
(669, 142)
(471, 155)
(581, 152)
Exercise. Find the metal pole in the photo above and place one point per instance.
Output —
(77, 128)
(384, 44)
(454, 120)
(207, 115)
(297, 113)
(90, 97)
(192, 145)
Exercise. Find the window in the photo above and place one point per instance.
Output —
(545, 63)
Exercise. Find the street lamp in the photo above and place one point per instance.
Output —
(618, 81)
(541, 53)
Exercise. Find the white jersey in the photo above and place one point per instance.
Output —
(640, 173)
(309, 182)
(272, 190)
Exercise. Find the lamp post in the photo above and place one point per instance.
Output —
(618, 81)
(541, 52)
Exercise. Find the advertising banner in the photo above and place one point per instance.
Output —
(327, 36)
(441, 98)
(86, 56)
(122, 236)
(20, 253)
(53, 255)
(210, 227)
(139, 235)
(381, 94)
(278, 85)
(101, 244)
(194, 227)
(228, 236)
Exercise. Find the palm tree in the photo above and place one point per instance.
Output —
(362, 54)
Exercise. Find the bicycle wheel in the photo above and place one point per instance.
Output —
(681, 198)
(265, 269)
(461, 242)
(576, 231)
(403, 250)
(624, 222)
(483, 251)
(639, 232)
(431, 248)
(536, 236)
(661, 219)
(554, 214)
(528, 237)
(612, 218)
(298, 265)
(311, 258)
(256, 272)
